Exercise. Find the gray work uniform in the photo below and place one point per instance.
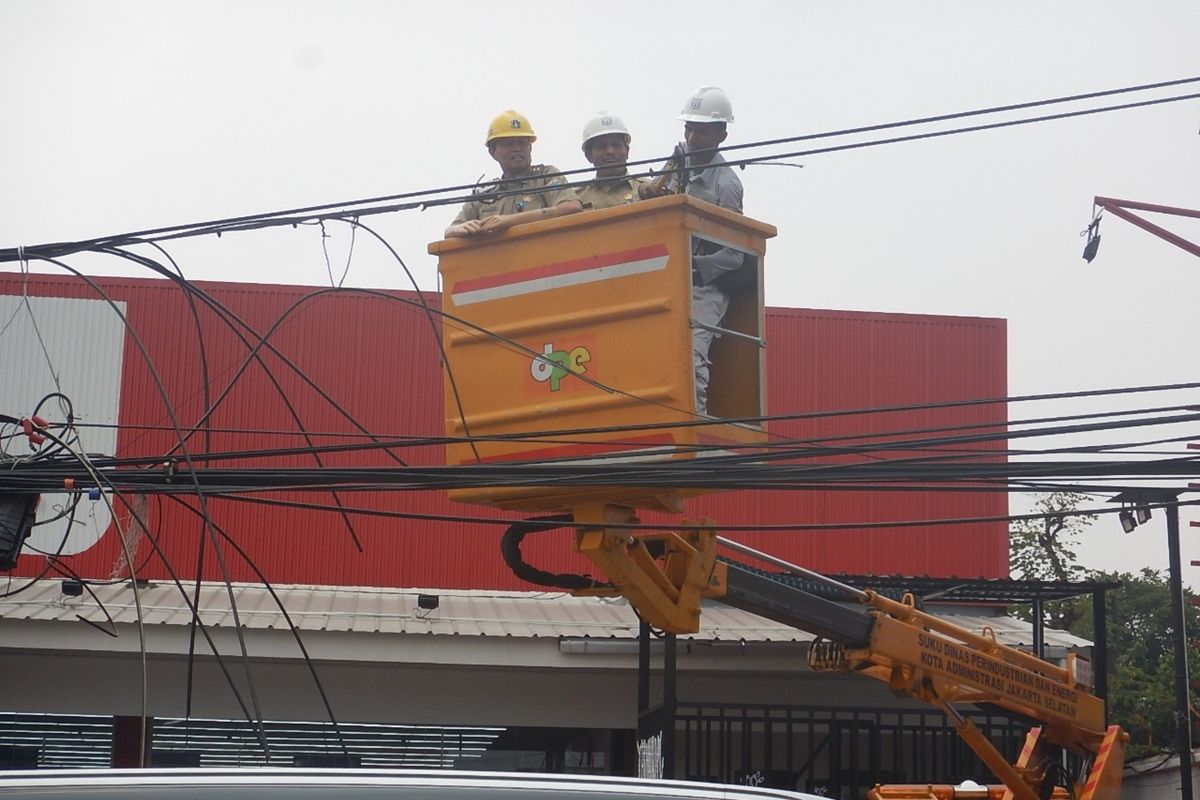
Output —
(718, 184)
(609, 192)
(540, 187)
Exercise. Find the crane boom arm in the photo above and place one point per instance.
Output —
(664, 575)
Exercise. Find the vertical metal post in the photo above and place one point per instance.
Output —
(668, 706)
(131, 741)
(1183, 723)
(643, 683)
(1039, 628)
(1100, 647)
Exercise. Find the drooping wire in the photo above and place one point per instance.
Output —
(295, 630)
(199, 492)
(196, 623)
(62, 569)
(205, 387)
(123, 538)
(436, 331)
(424, 198)
(254, 357)
(262, 342)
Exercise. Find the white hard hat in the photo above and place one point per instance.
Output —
(707, 104)
(601, 124)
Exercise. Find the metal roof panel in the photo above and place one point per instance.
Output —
(460, 612)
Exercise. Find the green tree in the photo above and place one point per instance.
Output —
(1043, 549)
(1140, 627)
(1141, 651)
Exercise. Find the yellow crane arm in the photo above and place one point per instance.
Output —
(664, 575)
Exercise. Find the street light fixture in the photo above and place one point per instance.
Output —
(1093, 240)
(1168, 500)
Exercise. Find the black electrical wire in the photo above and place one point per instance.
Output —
(956, 131)
(733, 526)
(269, 221)
(68, 511)
(197, 585)
(1048, 101)
(255, 717)
(139, 567)
(228, 316)
(199, 493)
(519, 472)
(197, 623)
(722, 472)
(399, 440)
(425, 307)
(254, 357)
(295, 630)
(304, 214)
(134, 585)
(418, 441)
(48, 556)
(527, 352)
(435, 331)
(965, 114)
(206, 399)
(63, 569)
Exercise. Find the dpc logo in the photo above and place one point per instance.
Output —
(554, 365)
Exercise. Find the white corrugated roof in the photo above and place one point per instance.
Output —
(460, 612)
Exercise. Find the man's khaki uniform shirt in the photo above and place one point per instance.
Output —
(608, 192)
(532, 191)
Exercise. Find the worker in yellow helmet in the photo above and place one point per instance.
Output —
(606, 146)
(524, 192)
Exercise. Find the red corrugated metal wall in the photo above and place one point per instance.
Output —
(831, 360)
(374, 354)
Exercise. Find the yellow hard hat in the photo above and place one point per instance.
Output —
(508, 125)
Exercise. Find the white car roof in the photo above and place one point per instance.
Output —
(202, 783)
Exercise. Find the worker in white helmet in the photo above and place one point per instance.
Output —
(606, 147)
(524, 192)
(705, 116)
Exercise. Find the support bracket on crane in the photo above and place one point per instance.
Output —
(663, 574)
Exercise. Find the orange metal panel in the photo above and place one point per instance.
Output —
(562, 335)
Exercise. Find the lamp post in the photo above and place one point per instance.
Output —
(1169, 499)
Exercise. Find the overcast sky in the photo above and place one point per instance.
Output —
(123, 116)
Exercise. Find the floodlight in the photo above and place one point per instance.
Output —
(1142, 513)
(1128, 523)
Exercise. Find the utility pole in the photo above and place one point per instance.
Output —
(1169, 500)
(1183, 716)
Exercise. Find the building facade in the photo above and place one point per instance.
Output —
(483, 657)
